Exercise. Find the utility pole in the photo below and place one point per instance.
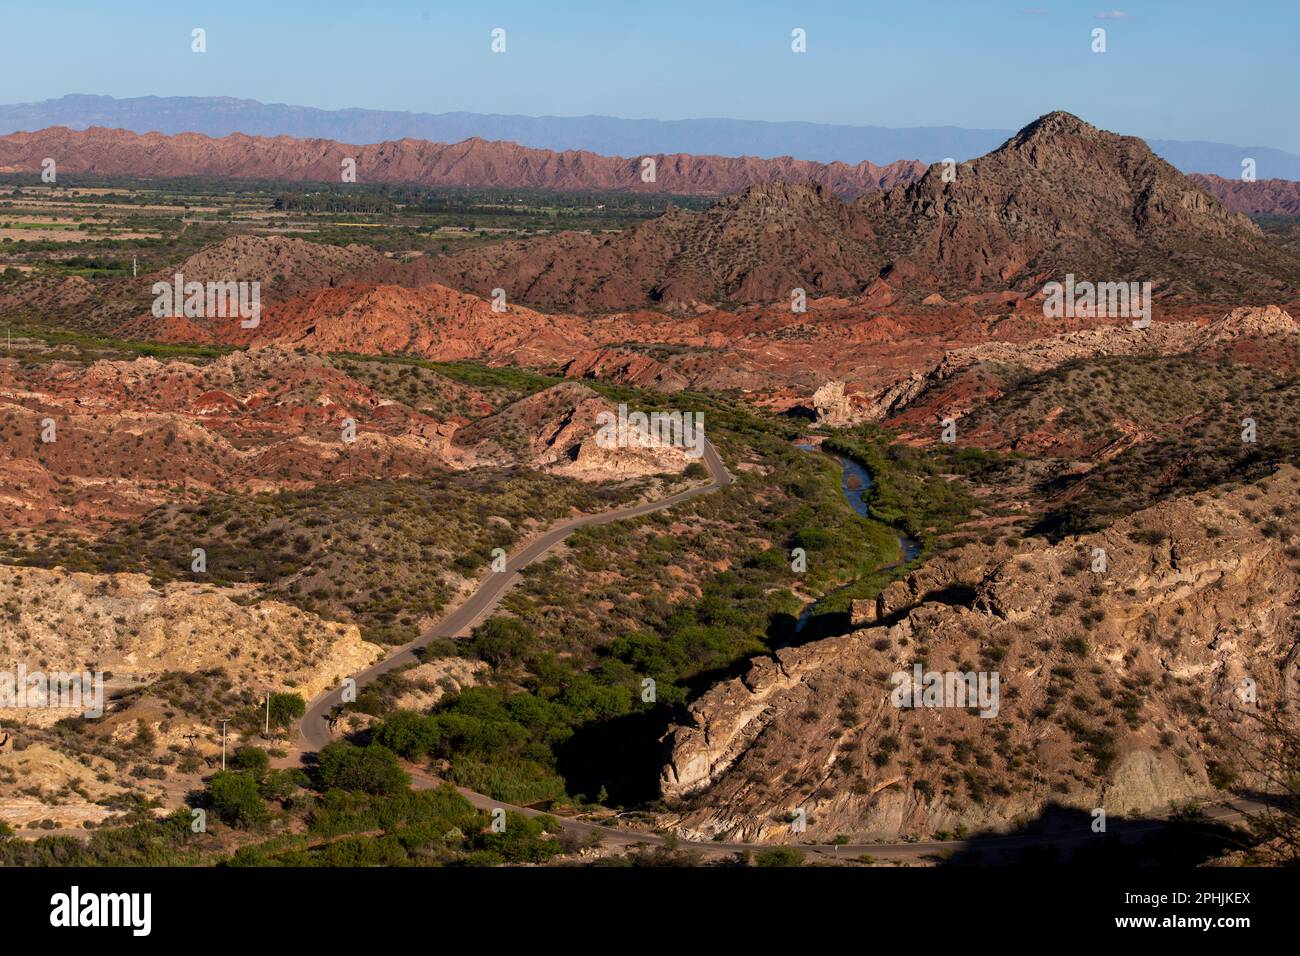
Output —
(224, 721)
(267, 731)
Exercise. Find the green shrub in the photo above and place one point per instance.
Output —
(236, 800)
(373, 769)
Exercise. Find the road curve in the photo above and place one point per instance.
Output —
(314, 730)
(315, 733)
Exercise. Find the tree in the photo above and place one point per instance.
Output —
(286, 709)
(525, 840)
(1268, 748)
(236, 800)
(373, 769)
(407, 733)
(503, 642)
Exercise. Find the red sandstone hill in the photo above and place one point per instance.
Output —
(753, 247)
(133, 434)
(1264, 197)
(1063, 196)
(1060, 196)
(473, 162)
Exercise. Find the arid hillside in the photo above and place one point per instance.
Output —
(757, 246)
(1059, 197)
(91, 443)
(1121, 689)
(1263, 197)
(124, 436)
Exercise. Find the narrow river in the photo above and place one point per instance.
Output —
(855, 481)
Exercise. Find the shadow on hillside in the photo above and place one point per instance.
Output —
(819, 626)
(782, 630)
(623, 755)
(835, 623)
(1064, 835)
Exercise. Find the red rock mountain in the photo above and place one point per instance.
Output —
(1264, 197)
(473, 162)
(1060, 196)
(753, 247)
(1063, 196)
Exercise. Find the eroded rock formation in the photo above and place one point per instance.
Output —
(1120, 689)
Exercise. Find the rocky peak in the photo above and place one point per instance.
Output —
(1051, 127)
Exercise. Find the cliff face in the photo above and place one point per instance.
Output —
(1117, 689)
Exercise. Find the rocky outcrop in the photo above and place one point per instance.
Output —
(571, 430)
(625, 367)
(1264, 328)
(1120, 683)
(832, 406)
(118, 623)
(837, 407)
(1260, 322)
(40, 783)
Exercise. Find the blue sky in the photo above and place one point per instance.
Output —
(1175, 69)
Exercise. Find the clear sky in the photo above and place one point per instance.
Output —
(1221, 70)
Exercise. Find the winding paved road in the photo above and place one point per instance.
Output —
(315, 731)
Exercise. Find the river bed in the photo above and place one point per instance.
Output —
(855, 481)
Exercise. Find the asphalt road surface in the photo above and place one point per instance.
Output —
(314, 728)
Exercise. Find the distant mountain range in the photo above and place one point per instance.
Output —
(473, 162)
(479, 163)
(219, 116)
